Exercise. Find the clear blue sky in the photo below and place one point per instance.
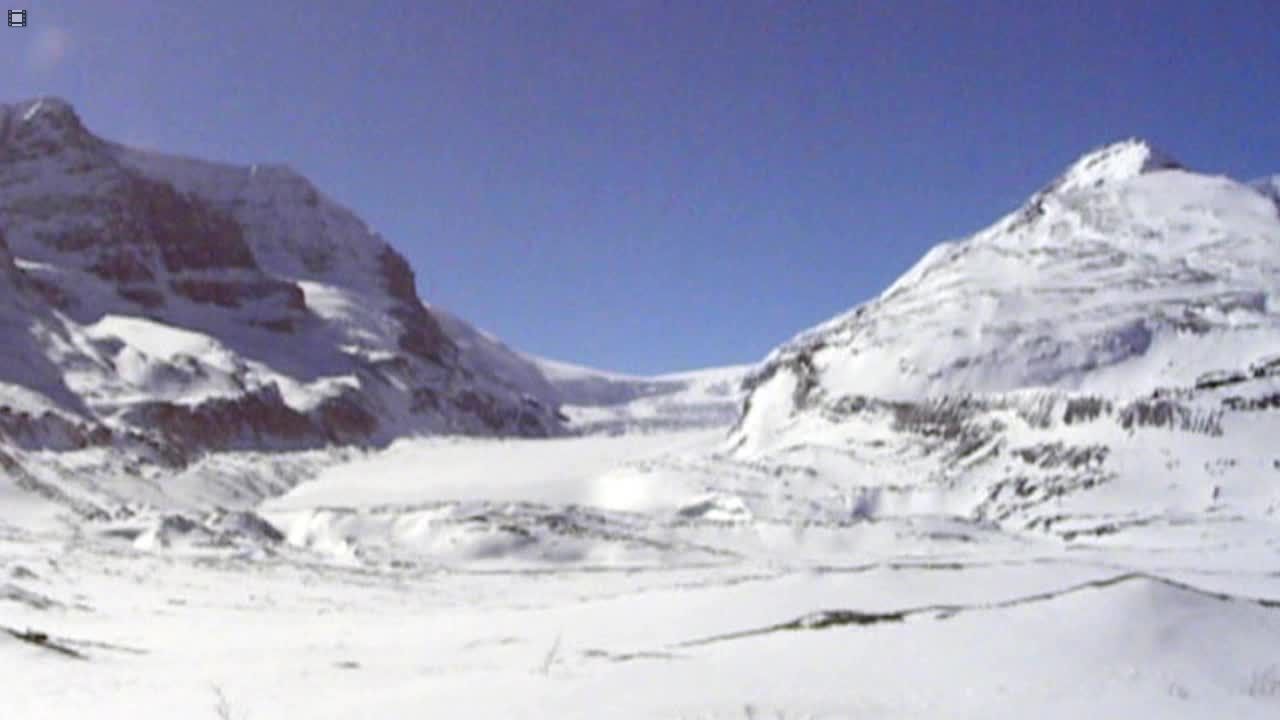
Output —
(650, 186)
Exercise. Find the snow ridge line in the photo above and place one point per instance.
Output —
(824, 619)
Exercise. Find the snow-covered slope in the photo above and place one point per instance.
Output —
(1120, 325)
(1122, 276)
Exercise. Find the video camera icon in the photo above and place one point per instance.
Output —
(17, 18)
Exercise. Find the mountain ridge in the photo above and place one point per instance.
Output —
(1051, 371)
(1085, 229)
(173, 307)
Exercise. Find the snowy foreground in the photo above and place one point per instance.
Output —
(600, 579)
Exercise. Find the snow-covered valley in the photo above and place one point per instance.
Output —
(246, 472)
(524, 607)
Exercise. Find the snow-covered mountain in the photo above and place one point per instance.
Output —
(1124, 275)
(1124, 321)
(224, 307)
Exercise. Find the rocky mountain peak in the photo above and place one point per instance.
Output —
(203, 307)
(36, 128)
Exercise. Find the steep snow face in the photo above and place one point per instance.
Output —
(1125, 275)
(295, 230)
(33, 343)
(1101, 360)
(211, 307)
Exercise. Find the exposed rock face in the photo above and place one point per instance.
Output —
(212, 307)
(8, 272)
(422, 335)
(49, 431)
(136, 233)
(256, 419)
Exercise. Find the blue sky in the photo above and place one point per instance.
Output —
(650, 186)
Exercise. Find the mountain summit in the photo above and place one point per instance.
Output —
(37, 128)
(1126, 274)
(1113, 163)
(1105, 357)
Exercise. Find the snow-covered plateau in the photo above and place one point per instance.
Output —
(245, 472)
